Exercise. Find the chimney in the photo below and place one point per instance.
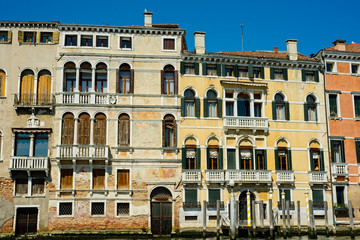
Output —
(339, 45)
(276, 49)
(148, 19)
(199, 42)
(291, 46)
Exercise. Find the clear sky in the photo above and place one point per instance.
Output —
(267, 23)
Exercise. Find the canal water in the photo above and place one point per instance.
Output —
(227, 238)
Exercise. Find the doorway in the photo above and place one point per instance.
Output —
(243, 207)
(26, 220)
(161, 211)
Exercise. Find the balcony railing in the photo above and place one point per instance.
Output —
(248, 176)
(29, 163)
(291, 205)
(340, 169)
(191, 206)
(212, 205)
(318, 205)
(253, 123)
(285, 176)
(83, 151)
(88, 98)
(34, 100)
(191, 176)
(215, 176)
(317, 177)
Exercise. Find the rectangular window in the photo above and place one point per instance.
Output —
(229, 71)
(333, 105)
(278, 74)
(125, 42)
(257, 109)
(213, 157)
(38, 185)
(246, 158)
(354, 68)
(123, 179)
(101, 41)
(318, 195)
(310, 76)
(189, 108)
(29, 37)
(212, 108)
(97, 208)
(66, 179)
(86, 41)
(191, 158)
(257, 72)
(22, 144)
(283, 160)
(260, 160)
(123, 209)
(214, 195)
(357, 106)
(46, 37)
(189, 68)
(229, 108)
(21, 186)
(243, 72)
(315, 155)
(287, 195)
(41, 145)
(65, 209)
(329, 67)
(280, 111)
(98, 178)
(70, 40)
(337, 151)
(3, 36)
(340, 198)
(169, 44)
(190, 195)
(231, 159)
(211, 70)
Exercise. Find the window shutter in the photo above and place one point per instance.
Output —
(285, 73)
(342, 152)
(183, 158)
(222, 70)
(231, 159)
(262, 73)
(198, 158)
(218, 69)
(196, 68)
(274, 110)
(303, 75)
(265, 159)
(182, 68)
(357, 145)
(64, 84)
(251, 71)
(236, 71)
(190, 195)
(332, 151)
(252, 161)
(183, 107)
(221, 158)
(316, 76)
(197, 107)
(56, 37)
(289, 160)
(322, 166)
(204, 70)
(20, 36)
(277, 165)
(219, 108)
(208, 163)
(162, 81)
(117, 80)
(311, 160)
(272, 75)
(287, 111)
(132, 81)
(163, 133)
(205, 107)
(306, 116)
(9, 36)
(176, 82)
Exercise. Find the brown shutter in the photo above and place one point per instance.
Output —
(175, 132)
(66, 179)
(100, 130)
(162, 81)
(67, 137)
(98, 178)
(117, 80)
(132, 81)
(20, 36)
(84, 130)
(56, 37)
(9, 36)
(176, 84)
(123, 179)
(2, 83)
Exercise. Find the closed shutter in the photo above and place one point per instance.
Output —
(190, 195)
(67, 134)
(183, 107)
(231, 159)
(316, 76)
(123, 179)
(208, 162)
(124, 131)
(197, 107)
(287, 111)
(84, 130)
(198, 158)
(311, 160)
(303, 75)
(162, 81)
(214, 195)
(2, 83)
(183, 157)
(287, 195)
(196, 68)
(274, 110)
(306, 116)
(27, 89)
(38, 37)
(251, 71)
(163, 132)
(44, 89)
(289, 162)
(285, 73)
(342, 152)
(223, 70)
(20, 36)
(218, 69)
(322, 166)
(204, 70)
(117, 80)
(132, 82)
(277, 165)
(98, 178)
(9, 36)
(236, 71)
(176, 82)
(66, 179)
(182, 68)
(332, 151)
(100, 130)
(272, 75)
(219, 108)
(262, 73)
(221, 166)
(56, 37)
(205, 107)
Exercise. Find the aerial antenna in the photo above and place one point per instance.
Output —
(242, 35)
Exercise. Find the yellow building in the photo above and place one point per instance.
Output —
(257, 118)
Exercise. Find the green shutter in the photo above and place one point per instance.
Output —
(219, 108)
(316, 76)
(289, 160)
(342, 152)
(183, 107)
(214, 195)
(332, 151)
(262, 73)
(208, 163)
(222, 70)
(311, 160)
(231, 159)
(285, 73)
(198, 158)
(303, 75)
(317, 196)
(274, 110)
(322, 166)
(357, 106)
(196, 68)
(277, 167)
(205, 107)
(183, 158)
(204, 70)
(236, 71)
(306, 116)
(190, 195)
(287, 195)
(252, 160)
(287, 111)
(221, 158)
(218, 69)
(197, 107)
(251, 71)
(357, 145)
(182, 68)
(272, 75)
(265, 159)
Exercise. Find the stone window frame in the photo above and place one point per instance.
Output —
(168, 50)
(72, 210)
(130, 209)
(98, 201)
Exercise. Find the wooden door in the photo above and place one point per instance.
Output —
(44, 89)
(243, 207)
(161, 218)
(26, 220)
(27, 89)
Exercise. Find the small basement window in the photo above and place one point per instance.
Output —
(65, 209)
(97, 208)
(123, 209)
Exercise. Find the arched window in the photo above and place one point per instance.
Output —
(84, 129)
(44, 87)
(211, 104)
(168, 80)
(189, 103)
(125, 82)
(243, 105)
(101, 78)
(190, 155)
(282, 156)
(2, 83)
(169, 131)
(100, 129)
(67, 129)
(214, 154)
(85, 77)
(124, 130)
(246, 155)
(69, 77)
(279, 107)
(27, 87)
(316, 157)
(310, 109)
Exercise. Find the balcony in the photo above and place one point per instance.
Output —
(29, 163)
(212, 205)
(291, 205)
(83, 151)
(191, 176)
(250, 123)
(215, 176)
(192, 206)
(87, 98)
(317, 177)
(285, 177)
(34, 101)
(340, 169)
(248, 176)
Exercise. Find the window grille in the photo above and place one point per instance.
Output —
(65, 209)
(123, 209)
(97, 209)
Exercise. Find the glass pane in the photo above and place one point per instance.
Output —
(243, 107)
(214, 195)
(41, 147)
(22, 144)
(229, 109)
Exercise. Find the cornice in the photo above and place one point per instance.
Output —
(15, 24)
(341, 55)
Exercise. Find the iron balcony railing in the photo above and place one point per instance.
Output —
(248, 176)
(191, 206)
(213, 205)
(253, 123)
(34, 100)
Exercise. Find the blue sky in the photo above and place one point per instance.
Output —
(267, 24)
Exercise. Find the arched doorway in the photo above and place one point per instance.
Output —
(243, 206)
(161, 211)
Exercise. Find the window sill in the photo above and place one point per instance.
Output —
(97, 216)
(5, 42)
(335, 118)
(170, 149)
(65, 216)
(189, 75)
(190, 117)
(102, 47)
(27, 43)
(2, 97)
(70, 47)
(26, 196)
(332, 73)
(123, 149)
(169, 50)
(125, 49)
(45, 44)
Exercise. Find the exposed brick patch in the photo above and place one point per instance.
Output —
(6, 189)
(7, 227)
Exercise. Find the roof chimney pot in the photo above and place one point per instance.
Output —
(276, 49)
(291, 46)
(339, 45)
(148, 19)
(199, 42)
